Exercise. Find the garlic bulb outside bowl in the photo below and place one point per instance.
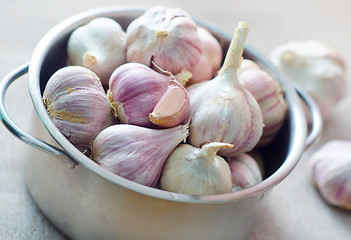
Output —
(330, 166)
(315, 67)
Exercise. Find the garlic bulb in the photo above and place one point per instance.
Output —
(222, 110)
(136, 153)
(100, 45)
(316, 68)
(248, 64)
(195, 171)
(77, 104)
(269, 96)
(245, 171)
(166, 36)
(331, 167)
(144, 97)
(210, 60)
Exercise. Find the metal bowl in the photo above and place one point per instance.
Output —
(88, 202)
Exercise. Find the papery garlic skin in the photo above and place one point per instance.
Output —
(270, 98)
(100, 45)
(166, 36)
(195, 171)
(222, 110)
(136, 153)
(245, 171)
(77, 104)
(315, 67)
(330, 167)
(211, 58)
(135, 89)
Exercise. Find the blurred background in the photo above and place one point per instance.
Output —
(295, 210)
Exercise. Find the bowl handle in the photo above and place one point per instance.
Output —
(17, 131)
(316, 123)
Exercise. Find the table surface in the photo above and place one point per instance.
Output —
(295, 209)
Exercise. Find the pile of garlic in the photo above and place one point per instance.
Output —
(153, 104)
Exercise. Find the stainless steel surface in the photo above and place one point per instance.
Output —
(89, 203)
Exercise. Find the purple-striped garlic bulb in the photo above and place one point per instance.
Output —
(77, 104)
(99, 45)
(141, 96)
(269, 95)
(136, 153)
(222, 110)
(166, 36)
(330, 167)
(245, 171)
(210, 60)
(197, 171)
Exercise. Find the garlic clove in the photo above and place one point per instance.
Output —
(77, 104)
(222, 110)
(136, 153)
(196, 171)
(100, 45)
(316, 68)
(270, 98)
(134, 91)
(166, 36)
(330, 166)
(173, 107)
(245, 171)
(210, 60)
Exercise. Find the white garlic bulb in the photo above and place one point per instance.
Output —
(136, 153)
(315, 67)
(222, 110)
(197, 171)
(166, 36)
(245, 171)
(99, 45)
(331, 168)
(77, 104)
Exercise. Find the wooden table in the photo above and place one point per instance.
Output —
(295, 209)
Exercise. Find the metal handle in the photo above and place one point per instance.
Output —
(17, 131)
(317, 122)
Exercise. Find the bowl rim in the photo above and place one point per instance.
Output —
(297, 120)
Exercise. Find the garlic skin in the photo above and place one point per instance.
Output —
(315, 67)
(330, 166)
(144, 97)
(136, 153)
(245, 171)
(166, 36)
(269, 95)
(77, 104)
(210, 60)
(222, 110)
(100, 45)
(197, 171)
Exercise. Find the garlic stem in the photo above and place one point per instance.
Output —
(210, 150)
(236, 48)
